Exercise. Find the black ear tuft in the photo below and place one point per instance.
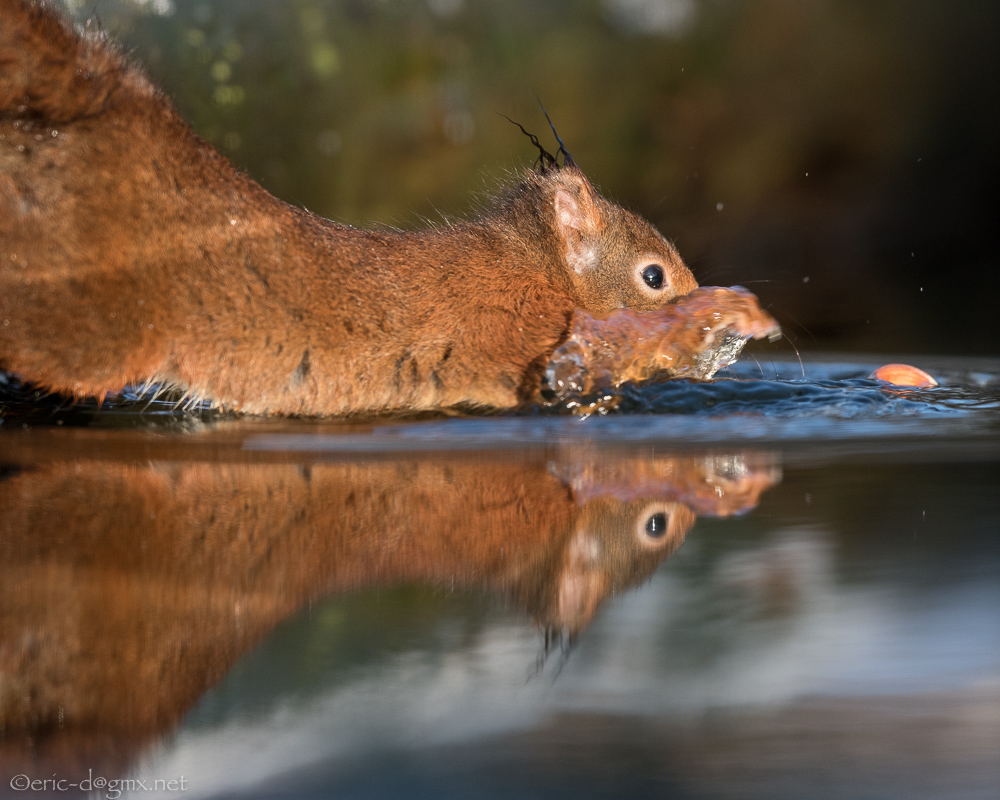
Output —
(567, 158)
(545, 158)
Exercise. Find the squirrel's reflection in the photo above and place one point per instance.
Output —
(126, 591)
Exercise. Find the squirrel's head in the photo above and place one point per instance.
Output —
(615, 545)
(614, 258)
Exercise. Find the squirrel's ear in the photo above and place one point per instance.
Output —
(577, 218)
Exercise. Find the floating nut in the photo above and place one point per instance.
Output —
(903, 375)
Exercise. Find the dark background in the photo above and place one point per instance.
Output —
(838, 157)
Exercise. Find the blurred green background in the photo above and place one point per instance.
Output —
(838, 157)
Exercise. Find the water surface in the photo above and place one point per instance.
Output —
(779, 586)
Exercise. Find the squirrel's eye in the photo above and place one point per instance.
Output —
(656, 525)
(653, 276)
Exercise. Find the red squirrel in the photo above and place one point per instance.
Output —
(132, 252)
(117, 615)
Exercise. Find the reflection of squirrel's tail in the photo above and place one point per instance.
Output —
(49, 71)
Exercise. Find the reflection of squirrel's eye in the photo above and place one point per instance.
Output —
(656, 525)
(653, 276)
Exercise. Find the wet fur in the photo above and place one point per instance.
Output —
(131, 251)
(146, 599)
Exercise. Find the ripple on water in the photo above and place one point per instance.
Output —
(775, 401)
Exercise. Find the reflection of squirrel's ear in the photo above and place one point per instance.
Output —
(583, 583)
(579, 597)
(577, 217)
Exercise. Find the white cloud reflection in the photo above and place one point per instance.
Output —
(779, 627)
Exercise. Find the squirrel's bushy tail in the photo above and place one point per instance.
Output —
(50, 71)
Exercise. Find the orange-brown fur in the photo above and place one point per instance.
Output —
(131, 251)
(116, 615)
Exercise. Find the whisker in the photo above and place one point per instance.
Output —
(707, 277)
(786, 315)
(798, 355)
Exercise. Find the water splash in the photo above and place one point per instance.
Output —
(692, 338)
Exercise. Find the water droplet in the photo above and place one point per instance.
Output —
(719, 206)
